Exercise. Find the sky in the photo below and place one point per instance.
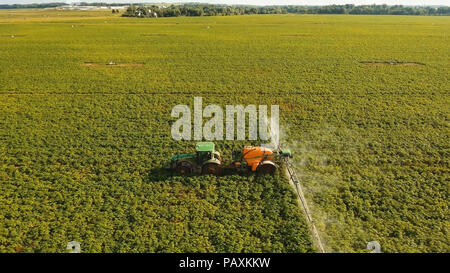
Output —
(254, 2)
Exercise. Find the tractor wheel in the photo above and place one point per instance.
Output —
(184, 168)
(238, 168)
(211, 168)
(266, 167)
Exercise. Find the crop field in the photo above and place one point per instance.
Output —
(364, 107)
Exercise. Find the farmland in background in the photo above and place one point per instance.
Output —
(81, 146)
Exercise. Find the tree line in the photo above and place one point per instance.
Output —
(139, 10)
(32, 6)
(226, 10)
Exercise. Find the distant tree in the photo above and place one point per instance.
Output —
(130, 12)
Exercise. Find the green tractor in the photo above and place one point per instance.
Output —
(205, 160)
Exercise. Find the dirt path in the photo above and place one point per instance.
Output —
(112, 64)
(390, 63)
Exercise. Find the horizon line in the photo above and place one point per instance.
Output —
(212, 3)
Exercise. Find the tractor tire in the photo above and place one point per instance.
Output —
(211, 168)
(184, 168)
(237, 166)
(266, 167)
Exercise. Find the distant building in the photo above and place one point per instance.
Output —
(75, 7)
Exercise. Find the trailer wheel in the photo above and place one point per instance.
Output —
(184, 168)
(211, 168)
(266, 167)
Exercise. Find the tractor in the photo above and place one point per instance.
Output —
(205, 160)
(208, 161)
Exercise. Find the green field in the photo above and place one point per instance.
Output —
(81, 147)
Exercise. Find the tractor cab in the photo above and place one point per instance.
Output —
(204, 151)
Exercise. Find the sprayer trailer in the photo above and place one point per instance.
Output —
(257, 159)
(206, 160)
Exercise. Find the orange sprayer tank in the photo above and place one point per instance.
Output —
(254, 155)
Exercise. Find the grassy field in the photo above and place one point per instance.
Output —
(81, 146)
